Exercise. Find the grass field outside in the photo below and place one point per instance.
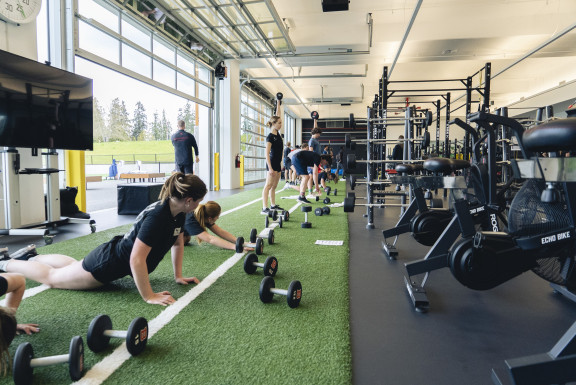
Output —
(146, 151)
(226, 335)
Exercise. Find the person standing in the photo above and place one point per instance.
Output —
(183, 143)
(274, 147)
(287, 162)
(339, 159)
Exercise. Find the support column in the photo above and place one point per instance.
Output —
(76, 175)
(230, 126)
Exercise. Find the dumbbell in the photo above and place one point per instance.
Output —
(270, 265)
(314, 115)
(322, 211)
(100, 331)
(279, 96)
(326, 200)
(328, 190)
(24, 361)
(258, 246)
(293, 294)
(280, 222)
(306, 210)
(254, 236)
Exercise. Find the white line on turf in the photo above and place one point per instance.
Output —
(29, 293)
(103, 369)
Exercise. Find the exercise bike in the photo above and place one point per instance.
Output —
(541, 231)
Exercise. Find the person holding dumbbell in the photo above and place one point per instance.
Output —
(300, 164)
(205, 217)
(274, 147)
(156, 230)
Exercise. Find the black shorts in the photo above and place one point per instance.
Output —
(3, 285)
(101, 263)
(276, 165)
(287, 163)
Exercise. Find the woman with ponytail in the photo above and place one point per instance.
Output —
(203, 218)
(157, 229)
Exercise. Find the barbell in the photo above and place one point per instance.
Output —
(350, 143)
(426, 120)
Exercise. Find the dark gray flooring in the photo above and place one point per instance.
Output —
(465, 334)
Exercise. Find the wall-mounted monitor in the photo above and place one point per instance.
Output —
(43, 107)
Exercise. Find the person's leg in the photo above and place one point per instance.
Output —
(266, 191)
(273, 184)
(189, 168)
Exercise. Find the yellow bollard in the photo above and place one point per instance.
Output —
(241, 170)
(76, 175)
(216, 171)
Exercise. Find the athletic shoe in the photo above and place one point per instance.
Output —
(4, 255)
(265, 211)
(303, 199)
(276, 207)
(25, 253)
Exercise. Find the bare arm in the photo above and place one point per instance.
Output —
(14, 294)
(268, 162)
(138, 257)
(177, 253)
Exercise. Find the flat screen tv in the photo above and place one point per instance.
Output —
(43, 107)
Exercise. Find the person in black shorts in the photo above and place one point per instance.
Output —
(205, 217)
(157, 229)
(183, 143)
(274, 149)
(300, 163)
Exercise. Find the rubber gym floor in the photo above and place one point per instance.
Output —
(355, 324)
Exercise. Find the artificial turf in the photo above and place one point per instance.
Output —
(226, 335)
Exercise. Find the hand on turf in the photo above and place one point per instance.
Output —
(163, 298)
(186, 281)
(27, 328)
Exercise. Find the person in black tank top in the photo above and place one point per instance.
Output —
(274, 147)
(156, 230)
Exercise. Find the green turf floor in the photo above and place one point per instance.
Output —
(226, 335)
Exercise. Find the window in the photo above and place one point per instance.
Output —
(255, 113)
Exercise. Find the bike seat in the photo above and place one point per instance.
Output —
(408, 168)
(555, 135)
(445, 165)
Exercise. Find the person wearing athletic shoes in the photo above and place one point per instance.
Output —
(205, 217)
(300, 164)
(274, 147)
(156, 230)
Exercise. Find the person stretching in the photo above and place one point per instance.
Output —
(157, 229)
(300, 164)
(205, 216)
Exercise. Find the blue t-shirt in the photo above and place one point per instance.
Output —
(315, 146)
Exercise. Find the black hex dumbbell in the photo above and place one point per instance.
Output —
(306, 210)
(258, 246)
(293, 293)
(100, 331)
(319, 211)
(280, 221)
(254, 236)
(24, 361)
(326, 200)
(269, 267)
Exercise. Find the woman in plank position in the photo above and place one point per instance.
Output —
(157, 229)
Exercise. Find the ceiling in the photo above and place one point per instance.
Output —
(321, 60)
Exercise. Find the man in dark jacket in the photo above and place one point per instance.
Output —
(183, 143)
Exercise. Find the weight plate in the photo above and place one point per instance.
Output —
(335, 192)
(249, 262)
(137, 336)
(253, 235)
(21, 371)
(286, 216)
(95, 338)
(266, 222)
(294, 294)
(280, 222)
(265, 286)
(306, 225)
(326, 210)
(271, 236)
(326, 200)
(270, 266)
(239, 244)
(318, 211)
(76, 358)
(348, 205)
(259, 246)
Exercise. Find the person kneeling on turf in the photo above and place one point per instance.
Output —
(157, 229)
(300, 163)
(205, 216)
